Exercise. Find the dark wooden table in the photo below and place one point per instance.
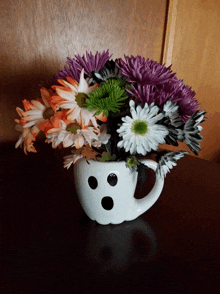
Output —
(48, 245)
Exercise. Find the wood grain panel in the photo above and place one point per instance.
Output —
(38, 35)
(196, 59)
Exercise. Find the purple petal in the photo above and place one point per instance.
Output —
(89, 63)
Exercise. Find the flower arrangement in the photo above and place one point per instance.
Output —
(113, 110)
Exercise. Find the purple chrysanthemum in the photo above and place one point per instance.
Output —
(71, 71)
(145, 72)
(175, 92)
(144, 94)
(89, 62)
(183, 95)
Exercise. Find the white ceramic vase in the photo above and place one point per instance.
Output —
(106, 190)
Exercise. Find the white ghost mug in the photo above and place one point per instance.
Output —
(106, 190)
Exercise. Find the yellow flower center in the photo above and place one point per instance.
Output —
(139, 127)
(48, 112)
(72, 127)
(80, 99)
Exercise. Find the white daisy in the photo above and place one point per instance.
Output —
(72, 135)
(26, 138)
(36, 111)
(140, 133)
(71, 95)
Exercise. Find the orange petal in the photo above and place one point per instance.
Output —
(45, 126)
(23, 121)
(27, 105)
(44, 92)
(50, 91)
(65, 88)
(102, 117)
(54, 100)
(72, 81)
(62, 82)
(20, 111)
(45, 96)
(63, 116)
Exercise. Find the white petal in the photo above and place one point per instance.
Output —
(133, 149)
(68, 140)
(79, 141)
(38, 105)
(34, 117)
(138, 110)
(120, 144)
(131, 103)
(19, 128)
(71, 87)
(19, 142)
(67, 104)
(30, 123)
(141, 150)
(34, 112)
(83, 85)
(66, 95)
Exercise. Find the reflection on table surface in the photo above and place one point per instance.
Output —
(117, 248)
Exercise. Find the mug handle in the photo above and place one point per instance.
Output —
(142, 205)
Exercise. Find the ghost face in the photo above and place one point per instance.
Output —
(105, 190)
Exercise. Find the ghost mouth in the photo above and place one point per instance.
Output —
(107, 203)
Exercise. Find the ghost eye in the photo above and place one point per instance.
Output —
(112, 179)
(93, 183)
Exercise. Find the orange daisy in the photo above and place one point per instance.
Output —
(70, 96)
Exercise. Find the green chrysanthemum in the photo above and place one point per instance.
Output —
(108, 97)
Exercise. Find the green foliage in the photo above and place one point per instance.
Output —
(106, 156)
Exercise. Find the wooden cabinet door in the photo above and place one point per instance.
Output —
(192, 47)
